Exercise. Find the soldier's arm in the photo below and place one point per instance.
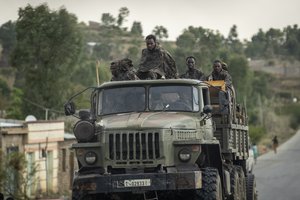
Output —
(228, 80)
(172, 69)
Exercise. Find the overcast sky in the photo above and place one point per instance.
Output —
(176, 15)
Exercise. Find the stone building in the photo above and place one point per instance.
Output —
(45, 146)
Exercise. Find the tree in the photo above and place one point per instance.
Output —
(107, 19)
(136, 28)
(233, 42)
(4, 94)
(14, 110)
(292, 42)
(48, 47)
(123, 13)
(203, 44)
(257, 47)
(8, 40)
(160, 32)
(274, 42)
(239, 70)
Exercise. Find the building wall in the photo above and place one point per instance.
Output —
(44, 136)
(67, 166)
(43, 174)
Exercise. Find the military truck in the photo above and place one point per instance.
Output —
(161, 139)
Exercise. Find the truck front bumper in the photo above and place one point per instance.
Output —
(95, 183)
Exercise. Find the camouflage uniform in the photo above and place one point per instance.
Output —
(223, 75)
(193, 74)
(122, 70)
(156, 64)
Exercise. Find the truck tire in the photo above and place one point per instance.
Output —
(242, 181)
(251, 187)
(234, 184)
(211, 185)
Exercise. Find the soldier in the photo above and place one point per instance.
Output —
(224, 66)
(156, 63)
(122, 70)
(192, 72)
(219, 73)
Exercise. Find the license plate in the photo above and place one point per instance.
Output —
(135, 183)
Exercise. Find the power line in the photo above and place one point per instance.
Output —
(43, 107)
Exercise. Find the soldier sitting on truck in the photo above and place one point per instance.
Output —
(219, 73)
(192, 72)
(156, 62)
(122, 70)
(225, 66)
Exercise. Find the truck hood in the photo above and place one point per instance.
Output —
(149, 120)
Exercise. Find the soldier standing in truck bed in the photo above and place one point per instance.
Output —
(156, 62)
(219, 73)
(122, 70)
(192, 72)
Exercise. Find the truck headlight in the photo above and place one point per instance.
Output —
(90, 158)
(84, 131)
(184, 155)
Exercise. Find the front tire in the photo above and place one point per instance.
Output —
(251, 187)
(211, 185)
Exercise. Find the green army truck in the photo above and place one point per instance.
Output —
(161, 139)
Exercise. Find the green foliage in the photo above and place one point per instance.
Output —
(160, 32)
(133, 54)
(102, 51)
(8, 41)
(15, 178)
(4, 89)
(239, 70)
(274, 43)
(136, 28)
(14, 110)
(123, 13)
(203, 44)
(292, 109)
(107, 19)
(256, 133)
(8, 35)
(233, 42)
(48, 47)
(4, 94)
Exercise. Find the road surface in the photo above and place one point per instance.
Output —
(278, 175)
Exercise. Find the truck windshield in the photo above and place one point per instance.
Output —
(161, 98)
(173, 98)
(121, 100)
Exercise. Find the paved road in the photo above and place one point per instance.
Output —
(278, 175)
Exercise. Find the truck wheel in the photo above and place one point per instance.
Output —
(251, 187)
(234, 184)
(211, 185)
(242, 182)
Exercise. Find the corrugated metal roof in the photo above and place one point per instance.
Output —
(10, 123)
(69, 136)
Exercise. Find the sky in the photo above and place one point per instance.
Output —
(176, 15)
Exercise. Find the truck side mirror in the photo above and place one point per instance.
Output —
(207, 109)
(69, 108)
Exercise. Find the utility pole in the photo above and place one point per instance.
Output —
(46, 114)
(46, 166)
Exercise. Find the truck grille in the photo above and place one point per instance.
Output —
(134, 146)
